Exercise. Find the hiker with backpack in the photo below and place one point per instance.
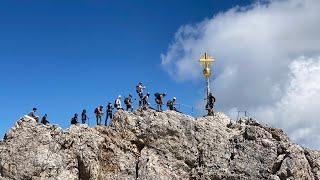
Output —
(44, 120)
(159, 100)
(33, 114)
(144, 101)
(210, 104)
(128, 103)
(74, 119)
(84, 116)
(117, 103)
(109, 113)
(171, 104)
(98, 112)
(139, 89)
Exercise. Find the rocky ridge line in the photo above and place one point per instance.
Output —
(154, 145)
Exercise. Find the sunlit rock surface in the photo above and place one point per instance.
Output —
(155, 145)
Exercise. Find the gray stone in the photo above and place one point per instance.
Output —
(155, 145)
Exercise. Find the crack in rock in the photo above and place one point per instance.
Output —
(140, 146)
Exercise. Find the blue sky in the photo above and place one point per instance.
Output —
(63, 56)
(267, 62)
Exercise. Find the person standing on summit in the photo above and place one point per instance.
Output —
(128, 103)
(117, 103)
(109, 113)
(159, 100)
(84, 116)
(99, 112)
(210, 104)
(139, 89)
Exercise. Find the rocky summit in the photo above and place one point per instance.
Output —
(155, 145)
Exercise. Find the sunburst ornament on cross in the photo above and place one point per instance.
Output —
(206, 61)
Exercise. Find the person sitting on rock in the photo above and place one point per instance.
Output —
(44, 120)
(33, 114)
(171, 104)
(84, 116)
(210, 104)
(128, 103)
(74, 119)
(159, 100)
(99, 112)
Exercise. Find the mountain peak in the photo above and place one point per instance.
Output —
(155, 145)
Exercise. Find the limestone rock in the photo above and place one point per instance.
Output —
(155, 145)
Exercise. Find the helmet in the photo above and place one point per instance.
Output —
(140, 82)
(119, 96)
(34, 109)
(148, 93)
(75, 114)
(174, 98)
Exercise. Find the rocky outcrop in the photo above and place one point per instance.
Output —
(155, 145)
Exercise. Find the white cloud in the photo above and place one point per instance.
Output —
(297, 110)
(256, 49)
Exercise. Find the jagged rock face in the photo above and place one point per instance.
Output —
(153, 145)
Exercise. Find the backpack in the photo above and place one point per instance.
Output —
(126, 101)
(138, 89)
(115, 104)
(157, 95)
(96, 110)
(169, 103)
